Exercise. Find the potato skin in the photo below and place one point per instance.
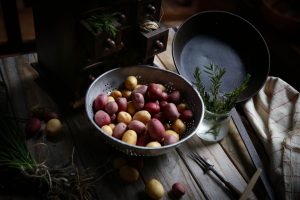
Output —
(129, 174)
(186, 115)
(116, 94)
(174, 97)
(122, 103)
(168, 132)
(100, 101)
(142, 89)
(154, 189)
(153, 144)
(170, 139)
(119, 130)
(156, 129)
(130, 137)
(138, 126)
(178, 126)
(170, 111)
(131, 82)
(107, 129)
(111, 107)
(138, 100)
(142, 115)
(124, 117)
(152, 107)
(102, 118)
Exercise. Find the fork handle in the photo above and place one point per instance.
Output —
(234, 191)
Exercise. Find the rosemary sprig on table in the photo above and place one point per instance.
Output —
(214, 101)
(103, 23)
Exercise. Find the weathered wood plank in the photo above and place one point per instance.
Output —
(95, 153)
(169, 169)
(211, 186)
(234, 147)
(25, 94)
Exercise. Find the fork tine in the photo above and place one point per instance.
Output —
(198, 161)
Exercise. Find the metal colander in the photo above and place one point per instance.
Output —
(114, 79)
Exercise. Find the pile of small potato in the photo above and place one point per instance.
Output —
(129, 172)
(43, 119)
(143, 115)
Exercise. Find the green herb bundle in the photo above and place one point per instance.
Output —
(214, 101)
(16, 163)
(103, 23)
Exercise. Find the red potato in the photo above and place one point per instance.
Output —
(152, 107)
(102, 118)
(162, 104)
(111, 107)
(100, 101)
(138, 100)
(170, 139)
(170, 111)
(178, 189)
(164, 96)
(174, 97)
(160, 116)
(113, 117)
(143, 139)
(122, 103)
(156, 130)
(33, 126)
(119, 130)
(141, 89)
(155, 91)
(186, 115)
(138, 126)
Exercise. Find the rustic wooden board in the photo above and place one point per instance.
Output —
(214, 153)
(169, 169)
(91, 152)
(95, 153)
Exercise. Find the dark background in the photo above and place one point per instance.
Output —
(277, 20)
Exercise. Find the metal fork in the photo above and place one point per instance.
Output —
(205, 166)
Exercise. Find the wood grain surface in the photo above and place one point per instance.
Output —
(92, 153)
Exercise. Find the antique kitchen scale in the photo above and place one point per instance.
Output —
(79, 40)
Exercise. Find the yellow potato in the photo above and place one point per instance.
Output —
(124, 117)
(107, 129)
(181, 107)
(119, 162)
(168, 132)
(112, 126)
(130, 137)
(131, 82)
(53, 127)
(130, 108)
(142, 115)
(129, 174)
(154, 189)
(162, 87)
(110, 98)
(153, 144)
(126, 93)
(116, 93)
(178, 126)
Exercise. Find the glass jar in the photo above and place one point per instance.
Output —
(214, 126)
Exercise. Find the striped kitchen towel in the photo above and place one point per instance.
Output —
(274, 114)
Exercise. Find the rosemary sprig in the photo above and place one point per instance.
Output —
(103, 23)
(214, 101)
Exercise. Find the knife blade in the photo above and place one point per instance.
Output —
(252, 152)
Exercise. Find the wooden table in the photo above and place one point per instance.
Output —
(229, 157)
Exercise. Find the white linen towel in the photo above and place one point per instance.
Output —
(274, 114)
